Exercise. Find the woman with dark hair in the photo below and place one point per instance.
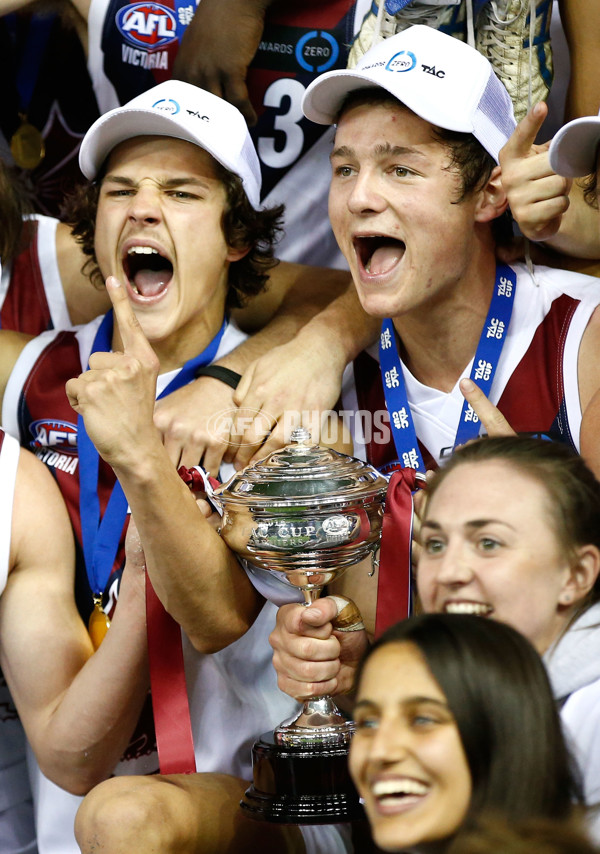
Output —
(454, 717)
(492, 835)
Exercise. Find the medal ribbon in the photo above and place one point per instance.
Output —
(38, 34)
(483, 371)
(101, 536)
(394, 594)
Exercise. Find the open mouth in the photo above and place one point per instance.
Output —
(478, 609)
(148, 272)
(398, 792)
(378, 254)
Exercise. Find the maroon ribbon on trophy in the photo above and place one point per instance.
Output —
(170, 703)
(394, 580)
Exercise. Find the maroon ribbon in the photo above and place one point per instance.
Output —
(170, 702)
(394, 580)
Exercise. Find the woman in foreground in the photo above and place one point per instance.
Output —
(454, 719)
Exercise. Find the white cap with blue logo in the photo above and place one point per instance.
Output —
(181, 111)
(441, 79)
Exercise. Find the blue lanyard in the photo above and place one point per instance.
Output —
(101, 536)
(184, 12)
(483, 371)
(34, 50)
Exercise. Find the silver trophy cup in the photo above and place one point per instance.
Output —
(306, 513)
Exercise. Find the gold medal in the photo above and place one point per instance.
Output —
(27, 145)
(98, 623)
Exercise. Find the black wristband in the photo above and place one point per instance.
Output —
(218, 373)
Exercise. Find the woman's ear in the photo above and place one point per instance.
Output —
(582, 576)
(237, 254)
(492, 199)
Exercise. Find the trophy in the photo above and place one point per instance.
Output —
(306, 513)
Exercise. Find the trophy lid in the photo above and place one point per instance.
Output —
(306, 472)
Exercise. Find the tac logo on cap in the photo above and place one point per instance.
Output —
(147, 25)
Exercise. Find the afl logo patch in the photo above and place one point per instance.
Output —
(58, 435)
(147, 25)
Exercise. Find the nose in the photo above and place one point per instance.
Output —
(389, 742)
(144, 206)
(366, 196)
(453, 568)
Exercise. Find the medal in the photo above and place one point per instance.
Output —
(27, 145)
(98, 623)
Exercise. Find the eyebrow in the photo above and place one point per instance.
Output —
(167, 184)
(474, 524)
(385, 150)
(416, 700)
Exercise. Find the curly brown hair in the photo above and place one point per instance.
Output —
(14, 234)
(590, 187)
(243, 226)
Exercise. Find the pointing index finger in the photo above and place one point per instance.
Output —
(523, 137)
(494, 422)
(133, 340)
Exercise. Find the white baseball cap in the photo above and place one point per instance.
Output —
(573, 149)
(441, 79)
(181, 111)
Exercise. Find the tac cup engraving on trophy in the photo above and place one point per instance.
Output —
(305, 513)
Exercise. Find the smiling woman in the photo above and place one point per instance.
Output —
(455, 716)
(512, 532)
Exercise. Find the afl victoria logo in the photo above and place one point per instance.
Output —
(58, 435)
(403, 61)
(147, 25)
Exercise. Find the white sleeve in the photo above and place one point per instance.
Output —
(580, 716)
(272, 585)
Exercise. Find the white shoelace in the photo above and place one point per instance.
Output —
(495, 32)
(420, 13)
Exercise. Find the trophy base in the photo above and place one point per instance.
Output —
(296, 784)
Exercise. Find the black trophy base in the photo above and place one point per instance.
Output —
(301, 784)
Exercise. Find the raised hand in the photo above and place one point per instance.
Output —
(195, 423)
(537, 196)
(218, 46)
(116, 395)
